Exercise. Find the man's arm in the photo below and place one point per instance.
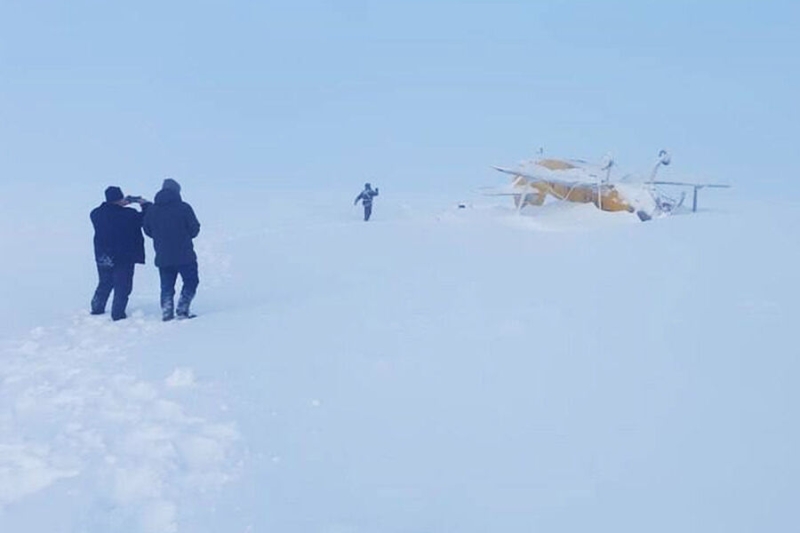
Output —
(144, 205)
(192, 223)
(146, 223)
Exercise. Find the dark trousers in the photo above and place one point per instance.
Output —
(118, 278)
(367, 211)
(169, 276)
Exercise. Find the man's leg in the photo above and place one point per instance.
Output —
(123, 285)
(367, 211)
(105, 282)
(168, 276)
(191, 280)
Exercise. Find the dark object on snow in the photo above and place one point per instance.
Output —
(366, 197)
(172, 225)
(118, 246)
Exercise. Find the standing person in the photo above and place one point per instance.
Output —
(366, 197)
(118, 246)
(172, 225)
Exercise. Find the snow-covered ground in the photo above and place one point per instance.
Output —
(435, 370)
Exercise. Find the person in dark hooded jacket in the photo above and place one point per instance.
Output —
(172, 225)
(366, 197)
(118, 246)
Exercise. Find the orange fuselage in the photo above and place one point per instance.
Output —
(584, 193)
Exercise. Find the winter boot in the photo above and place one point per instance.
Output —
(182, 310)
(167, 309)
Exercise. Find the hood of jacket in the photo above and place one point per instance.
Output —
(167, 196)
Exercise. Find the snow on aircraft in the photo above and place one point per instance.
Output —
(576, 180)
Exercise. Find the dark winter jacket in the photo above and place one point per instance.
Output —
(118, 234)
(366, 196)
(172, 224)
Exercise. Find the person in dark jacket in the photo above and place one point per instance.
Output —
(172, 225)
(366, 197)
(118, 246)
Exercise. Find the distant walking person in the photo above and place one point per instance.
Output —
(366, 197)
(118, 246)
(172, 224)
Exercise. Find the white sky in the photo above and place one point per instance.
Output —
(408, 94)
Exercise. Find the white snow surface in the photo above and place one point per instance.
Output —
(434, 370)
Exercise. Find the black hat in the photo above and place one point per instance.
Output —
(113, 194)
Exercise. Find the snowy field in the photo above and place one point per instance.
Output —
(435, 370)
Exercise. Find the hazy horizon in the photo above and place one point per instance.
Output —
(414, 95)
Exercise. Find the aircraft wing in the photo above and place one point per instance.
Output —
(517, 173)
(550, 178)
(568, 177)
(688, 184)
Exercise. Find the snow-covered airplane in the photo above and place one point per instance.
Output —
(576, 180)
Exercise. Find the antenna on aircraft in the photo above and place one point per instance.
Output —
(663, 159)
(607, 163)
